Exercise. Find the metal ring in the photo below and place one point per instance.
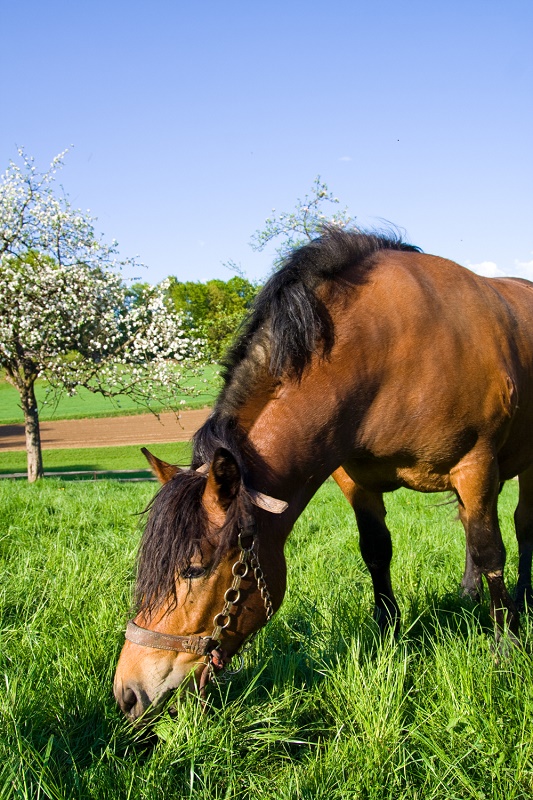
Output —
(224, 625)
(239, 668)
(241, 545)
(236, 598)
(236, 572)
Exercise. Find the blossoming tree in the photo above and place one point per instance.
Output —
(67, 316)
(295, 228)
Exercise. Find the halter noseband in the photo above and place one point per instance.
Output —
(198, 645)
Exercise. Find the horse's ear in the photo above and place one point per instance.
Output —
(162, 471)
(224, 478)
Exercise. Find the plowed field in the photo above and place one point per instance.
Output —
(108, 431)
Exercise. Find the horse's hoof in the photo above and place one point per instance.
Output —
(387, 622)
(504, 645)
(472, 594)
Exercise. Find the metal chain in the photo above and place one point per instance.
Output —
(248, 560)
(262, 585)
(232, 596)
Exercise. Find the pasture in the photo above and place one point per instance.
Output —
(321, 709)
(128, 457)
(201, 391)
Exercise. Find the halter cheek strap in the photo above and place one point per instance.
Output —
(267, 503)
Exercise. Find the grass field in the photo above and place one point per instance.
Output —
(97, 458)
(322, 710)
(85, 404)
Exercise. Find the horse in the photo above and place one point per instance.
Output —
(363, 358)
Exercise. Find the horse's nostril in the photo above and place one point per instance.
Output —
(129, 699)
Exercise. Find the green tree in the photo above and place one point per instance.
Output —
(213, 310)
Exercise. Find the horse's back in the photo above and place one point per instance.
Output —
(516, 454)
(446, 358)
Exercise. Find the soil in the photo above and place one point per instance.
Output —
(108, 431)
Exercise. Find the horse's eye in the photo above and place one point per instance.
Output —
(193, 572)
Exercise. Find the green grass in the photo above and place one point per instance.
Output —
(321, 710)
(97, 458)
(85, 404)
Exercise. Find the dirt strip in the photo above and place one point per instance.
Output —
(108, 431)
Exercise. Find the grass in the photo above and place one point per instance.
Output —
(321, 710)
(86, 405)
(97, 458)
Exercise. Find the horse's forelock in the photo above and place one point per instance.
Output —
(176, 532)
(175, 528)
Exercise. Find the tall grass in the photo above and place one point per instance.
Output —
(322, 708)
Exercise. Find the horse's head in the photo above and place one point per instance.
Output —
(200, 589)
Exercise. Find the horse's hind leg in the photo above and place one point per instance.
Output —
(476, 483)
(472, 583)
(376, 548)
(523, 520)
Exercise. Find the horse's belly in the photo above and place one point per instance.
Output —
(380, 476)
(424, 479)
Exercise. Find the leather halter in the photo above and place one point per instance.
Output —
(210, 646)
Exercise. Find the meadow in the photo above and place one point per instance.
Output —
(128, 457)
(322, 709)
(196, 392)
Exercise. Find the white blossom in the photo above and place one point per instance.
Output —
(66, 314)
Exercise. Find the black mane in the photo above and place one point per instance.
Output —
(287, 324)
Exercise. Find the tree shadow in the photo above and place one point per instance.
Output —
(85, 472)
(11, 430)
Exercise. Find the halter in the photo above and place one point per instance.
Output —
(211, 646)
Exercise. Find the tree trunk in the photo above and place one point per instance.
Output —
(33, 433)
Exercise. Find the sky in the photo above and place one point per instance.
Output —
(187, 123)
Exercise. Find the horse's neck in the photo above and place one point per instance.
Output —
(287, 440)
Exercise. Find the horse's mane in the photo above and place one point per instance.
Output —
(289, 307)
(288, 322)
(286, 325)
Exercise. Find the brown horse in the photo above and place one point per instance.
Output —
(364, 358)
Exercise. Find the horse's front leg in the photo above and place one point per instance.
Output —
(376, 548)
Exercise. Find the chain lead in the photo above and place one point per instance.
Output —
(248, 560)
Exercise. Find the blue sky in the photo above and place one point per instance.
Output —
(191, 121)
